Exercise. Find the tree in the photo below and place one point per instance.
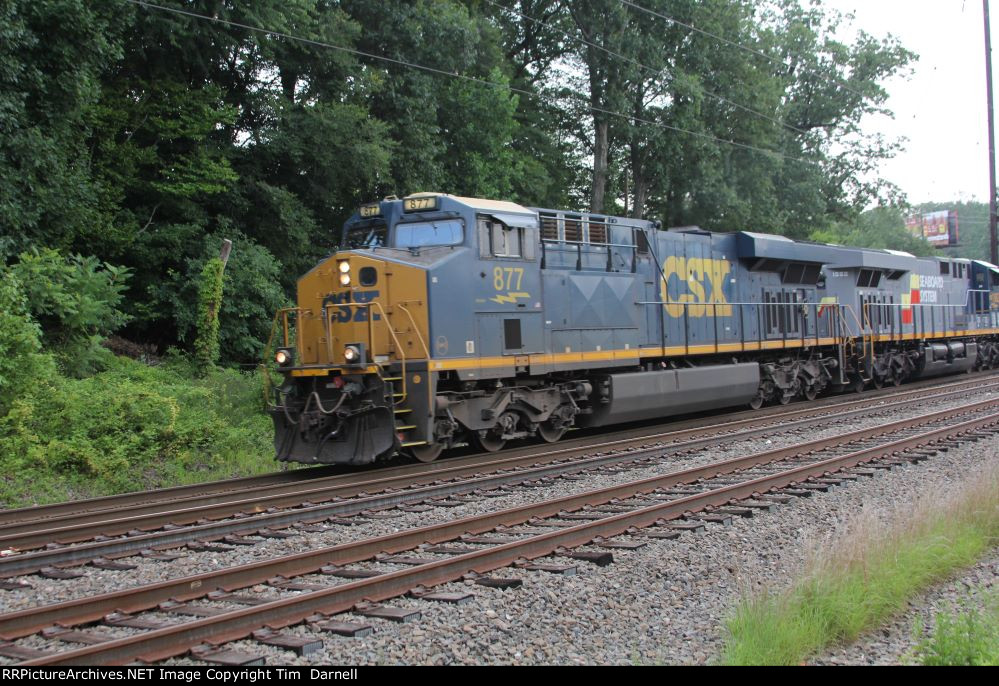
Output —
(52, 53)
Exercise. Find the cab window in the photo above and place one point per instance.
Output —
(370, 235)
(425, 234)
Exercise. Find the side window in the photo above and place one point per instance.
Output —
(506, 240)
(497, 239)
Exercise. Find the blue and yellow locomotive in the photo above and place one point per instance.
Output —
(445, 320)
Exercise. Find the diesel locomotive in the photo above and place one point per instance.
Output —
(444, 320)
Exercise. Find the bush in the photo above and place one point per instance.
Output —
(131, 427)
(76, 301)
(20, 341)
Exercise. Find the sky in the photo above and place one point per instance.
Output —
(941, 106)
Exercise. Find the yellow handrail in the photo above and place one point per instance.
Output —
(426, 351)
(282, 314)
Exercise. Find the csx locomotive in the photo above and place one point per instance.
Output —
(446, 320)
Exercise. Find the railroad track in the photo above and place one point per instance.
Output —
(101, 537)
(231, 489)
(315, 586)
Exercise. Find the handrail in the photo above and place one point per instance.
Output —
(419, 336)
(402, 305)
(281, 317)
(282, 314)
(715, 303)
(371, 340)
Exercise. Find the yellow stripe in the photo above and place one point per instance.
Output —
(625, 355)
(324, 371)
(635, 354)
(934, 334)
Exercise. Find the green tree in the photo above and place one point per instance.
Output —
(881, 227)
(52, 53)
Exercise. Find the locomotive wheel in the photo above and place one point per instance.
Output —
(785, 398)
(877, 381)
(488, 442)
(896, 379)
(549, 433)
(811, 393)
(757, 402)
(858, 384)
(427, 453)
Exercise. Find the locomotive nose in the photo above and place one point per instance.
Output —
(360, 329)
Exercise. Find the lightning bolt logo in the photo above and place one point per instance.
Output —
(510, 297)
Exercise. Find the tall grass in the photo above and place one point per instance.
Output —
(867, 575)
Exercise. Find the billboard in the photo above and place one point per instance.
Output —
(938, 228)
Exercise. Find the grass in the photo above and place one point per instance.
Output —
(131, 427)
(966, 636)
(867, 576)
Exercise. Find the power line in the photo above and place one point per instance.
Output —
(452, 74)
(735, 44)
(651, 69)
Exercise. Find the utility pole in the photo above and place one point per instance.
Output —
(993, 242)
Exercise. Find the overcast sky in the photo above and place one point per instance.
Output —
(941, 107)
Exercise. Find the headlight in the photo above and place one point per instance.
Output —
(351, 354)
(344, 267)
(282, 357)
(345, 279)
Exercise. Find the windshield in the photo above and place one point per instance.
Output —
(365, 236)
(420, 234)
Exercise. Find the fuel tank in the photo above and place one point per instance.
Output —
(634, 396)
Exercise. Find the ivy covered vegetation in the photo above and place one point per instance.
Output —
(136, 136)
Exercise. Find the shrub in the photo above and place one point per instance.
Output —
(20, 341)
(76, 301)
(131, 427)
(251, 282)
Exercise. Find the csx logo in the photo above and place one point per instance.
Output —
(704, 282)
(346, 313)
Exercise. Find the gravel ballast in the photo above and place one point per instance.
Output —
(663, 603)
(95, 581)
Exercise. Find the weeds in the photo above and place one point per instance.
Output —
(965, 636)
(867, 576)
